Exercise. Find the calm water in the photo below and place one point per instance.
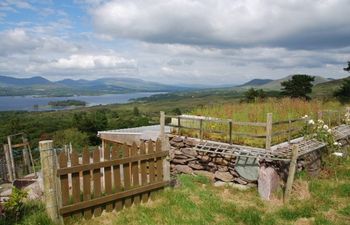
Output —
(9, 103)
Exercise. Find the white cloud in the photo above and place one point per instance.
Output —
(288, 23)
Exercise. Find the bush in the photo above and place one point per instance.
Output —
(13, 208)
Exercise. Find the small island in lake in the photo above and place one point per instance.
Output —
(65, 103)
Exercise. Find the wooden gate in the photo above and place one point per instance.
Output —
(124, 176)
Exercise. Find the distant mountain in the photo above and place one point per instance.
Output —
(11, 81)
(41, 86)
(256, 82)
(328, 88)
(275, 85)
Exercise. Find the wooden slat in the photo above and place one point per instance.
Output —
(86, 183)
(64, 179)
(151, 164)
(135, 172)
(127, 175)
(159, 162)
(20, 145)
(112, 197)
(97, 165)
(97, 181)
(118, 205)
(144, 172)
(248, 135)
(75, 181)
(107, 177)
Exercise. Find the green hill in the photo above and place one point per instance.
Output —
(328, 88)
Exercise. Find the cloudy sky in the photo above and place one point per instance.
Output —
(210, 42)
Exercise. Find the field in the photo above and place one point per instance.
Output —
(319, 201)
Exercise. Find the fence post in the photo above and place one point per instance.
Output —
(8, 163)
(201, 129)
(291, 173)
(11, 157)
(178, 125)
(49, 169)
(230, 131)
(165, 147)
(268, 131)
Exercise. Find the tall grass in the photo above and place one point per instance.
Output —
(282, 109)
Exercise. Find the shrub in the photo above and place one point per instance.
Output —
(14, 206)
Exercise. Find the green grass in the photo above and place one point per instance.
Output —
(197, 201)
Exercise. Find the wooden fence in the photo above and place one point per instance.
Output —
(124, 176)
(289, 129)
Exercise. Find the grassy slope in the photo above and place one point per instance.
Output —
(325, 200)
(328, 88)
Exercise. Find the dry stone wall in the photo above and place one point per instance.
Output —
(219, 169)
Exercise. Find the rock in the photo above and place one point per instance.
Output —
(268, 182)
(184, 169)
(239, 186)
(189, 151)
(177, 139)
(247, 168)
(224, 176)
(205, 173)
(178, 152)
(190, 142)
(222, 168)
(234, 173)
(220, 184)
(196, 166)
(177, 144)
(240, 181)
(181, 157)
(179, 161)
(220, 161)
(204, 158)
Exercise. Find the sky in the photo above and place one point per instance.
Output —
(204, 42)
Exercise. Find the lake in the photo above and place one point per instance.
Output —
(28, 103)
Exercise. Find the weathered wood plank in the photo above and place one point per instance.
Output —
(144, 181)
(151, 163)
(118, 205)
(135, 172)
(107, 177)
(127, 175)
(159, 162)
(63, 159)
(75, 181)
(97, 182)
(86, 183)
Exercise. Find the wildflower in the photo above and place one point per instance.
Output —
(305, 116)
(320, 121)
(337, 143)
(329, 131)
(325, 127)
(311, 122)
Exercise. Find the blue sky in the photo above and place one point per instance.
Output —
(177, 41)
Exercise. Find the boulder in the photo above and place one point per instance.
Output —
(268, 182)
(205, 158)
(179, 161)
(205, 173)
(224, 176)
(184, 169)
(177, 152)
(220, 184)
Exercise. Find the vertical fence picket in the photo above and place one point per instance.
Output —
(118, 205)
(75, 181)
(107, 177)
(127, 176)
(143, 171)
(86, 183)
(62, 160)
(97, 181)
(159, 162)
(151, 166)
(135, 172)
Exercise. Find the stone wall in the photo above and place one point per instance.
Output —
(218, 168)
